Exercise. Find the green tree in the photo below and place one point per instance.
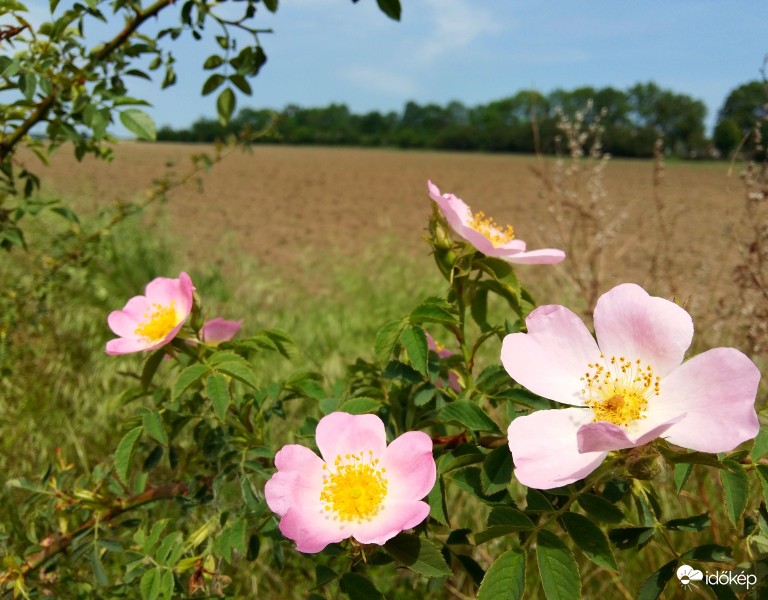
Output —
(743, 109)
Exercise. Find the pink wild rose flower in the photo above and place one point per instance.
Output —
(218, 330)
(153, 320)
(360, 488)
(488, 237)
(627, 389)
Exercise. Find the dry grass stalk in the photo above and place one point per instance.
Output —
(574, 187)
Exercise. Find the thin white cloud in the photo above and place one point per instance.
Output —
(380, 81)
(457, 23)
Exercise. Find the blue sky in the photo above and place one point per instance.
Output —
(475, 51)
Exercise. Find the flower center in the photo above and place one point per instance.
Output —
(158, 322)
(356, 488)
(493, 232)
(617, 389)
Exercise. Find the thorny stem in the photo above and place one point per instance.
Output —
(60, 544)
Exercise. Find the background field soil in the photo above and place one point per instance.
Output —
(289, 207)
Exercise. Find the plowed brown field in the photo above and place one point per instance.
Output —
(282, 205)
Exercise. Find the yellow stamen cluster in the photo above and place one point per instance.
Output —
(159, 322)
(356, 487)
(617, 389)
(493, 232)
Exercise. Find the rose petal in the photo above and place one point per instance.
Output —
(339, 434)
(313, 528)
(298, 481)
(717, 391)
(631, 323)
(552, 357)
(126, 346)
(603, 436)
(544, 256)
(545, 450)
(411, 470)
(393, 518)
(219, 330)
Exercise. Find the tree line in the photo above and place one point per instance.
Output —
(631, 119)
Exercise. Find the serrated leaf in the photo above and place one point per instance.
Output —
(186, 378)
(558, 568)
(681, 473)
(497, 470)
(242, 84)
(391, 8)
(149, 586)
(414, 341)
(225, 105)
(709, 553)
(217, 389)
(760, 445)
(139, 123)
(167, 584)
(212, 83)
(736, 490)
(150, 367)
(213, 61)
(419, 555)
(436, 501)
(358, 587)
(629, 537)
(694, 523)
(600, 509)
(468, 414)
(360, 406)
(505, 580)
(387, 338)
(655, 584)
(241, 372)
(434, 310)
(153, 425)
(590, 540)
(124, 452)
(99, 574)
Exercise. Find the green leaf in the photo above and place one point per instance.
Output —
(681, 474)
(557, 567)
(217, 389)
(434, 310)
(358, 587)
(709, 553)
(186, 378)
(213, 61)
(502, 521)
(391, 8)
(505, 580)
(600, 509)
(167, 584)
(418, 554)
(497, 470)
(696, 458)
(436, 501)
(590, 539)
(212, 83)
(736, 490)
(271, 5)
(762, 471)
(655, 584)
(694, 523)
(470, 415)
(124, 452)
(629, 537)
(360, 406)
(150, 585)
(414, 341)
(760, 445)
(241, 372)
(153, 425)
(99, 574)
(387, 338)
(242, 84)
(225, 105)
(150, 367)
(139, 123)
